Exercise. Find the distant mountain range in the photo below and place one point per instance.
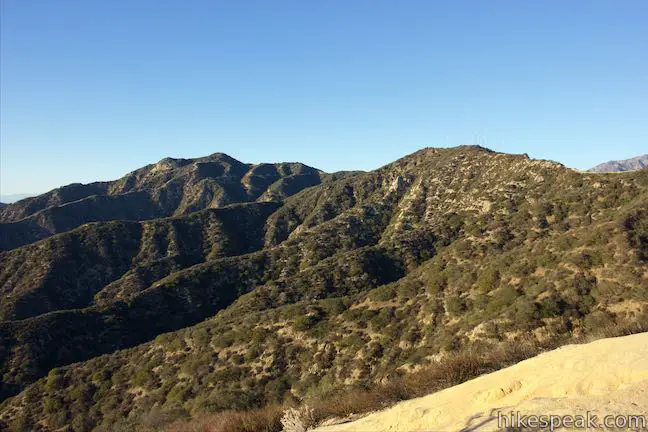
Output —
(207, 285)
(171, 187)
(12, 198)
(633, 164)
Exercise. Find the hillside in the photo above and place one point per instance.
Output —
(356, 280)
(632, 164)
(532, 387)
(108, 260)
(170, 187)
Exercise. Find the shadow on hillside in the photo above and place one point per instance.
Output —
(480, 420)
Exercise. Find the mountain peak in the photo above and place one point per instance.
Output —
(172, 186)
(275, 278)
(632, 164)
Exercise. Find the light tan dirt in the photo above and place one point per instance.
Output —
(605, 377)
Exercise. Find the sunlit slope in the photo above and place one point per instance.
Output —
(605, 377)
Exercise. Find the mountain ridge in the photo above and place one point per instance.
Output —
(167, 188)
(345, 283)
(632, 164)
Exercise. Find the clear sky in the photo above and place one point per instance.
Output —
(94, 89)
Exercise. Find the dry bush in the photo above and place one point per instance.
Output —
(464, 365)
(297, 419)
(267, 419)
(356, 400)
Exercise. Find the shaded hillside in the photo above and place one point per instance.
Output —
(67, 270)
(170, 187)
(358, 279)
(632, 164)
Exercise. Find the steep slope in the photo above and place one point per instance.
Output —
(170, 187)
(359, 279)
(67, 270)
(533, 387)
(632, 164)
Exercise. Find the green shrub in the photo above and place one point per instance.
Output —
(383, 293)
(304, 322)
(408, 288)
(55, 380)
(488, 280)
(455, 306)
(550, 308)
(436, 283)
(381, 320)
(224, 340)
(143, 378)
(636, 226)
(501, 299)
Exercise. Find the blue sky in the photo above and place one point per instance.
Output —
(94, 89)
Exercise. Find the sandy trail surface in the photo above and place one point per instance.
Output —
(608, 377)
